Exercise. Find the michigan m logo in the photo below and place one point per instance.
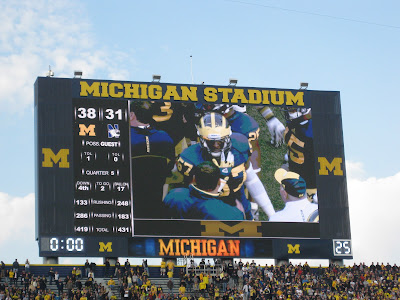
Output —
(83, 130)
(293, 249)
(61, 158)
(213, 228)
(335, 166)
(105, 247)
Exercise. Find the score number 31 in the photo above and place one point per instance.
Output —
(93, 113)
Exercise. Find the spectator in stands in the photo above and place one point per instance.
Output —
(78, 273)
(182, 290)
(111, 283)
(202, 265)
(51, 275)
(134, 278)
(208, 266)
(92, 268)
(15, 266)
(22, 276)
(60, 287)
(202, 288)
(145, 266)
(87, 268)
(106, 267)
(42, 284)
(91, 274)
(2, 270)
(10, 276)
(27, 266)
(129, 281)
(240, 278)
(117, 267)
(89, 282)
(170, 266)
(69, 286)
(246, 291)
(127, 265)
(78, 284)
(196, 282)
(56, 276)
(189, 283)
(163, 268)
(73, 274)
(170, 286)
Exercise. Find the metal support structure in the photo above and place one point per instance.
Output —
(50, 260)
(281, 262)
(112, 260)
(339, 262)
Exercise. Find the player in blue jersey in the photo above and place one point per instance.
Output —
(176, 120)
(230, 152)
(153, 157)
(240, 123)
(299, 139)
(201, 200)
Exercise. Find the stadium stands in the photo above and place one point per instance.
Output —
(228, 281)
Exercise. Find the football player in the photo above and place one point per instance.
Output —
(240, 123)
(175, 119)
(299, 139)
(275, 127)
(201, 200)
(153, 158)
(231, 153)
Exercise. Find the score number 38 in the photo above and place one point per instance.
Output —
(93, 113)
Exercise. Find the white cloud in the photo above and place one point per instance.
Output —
(17, 214)
(355, 170)
(374, 206)
(34, 35)
(17, 237)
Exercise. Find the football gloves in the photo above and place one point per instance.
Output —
(277, 130)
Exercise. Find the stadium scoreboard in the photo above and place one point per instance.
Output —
(85, 199)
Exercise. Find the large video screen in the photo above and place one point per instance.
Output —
(128, 161)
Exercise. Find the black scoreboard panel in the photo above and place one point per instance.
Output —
(198, 247)
(102, 197)
(84, 196)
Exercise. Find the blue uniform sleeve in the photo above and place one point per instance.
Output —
(244, 124)
(218, 210)
(177, 203)
(241, 144)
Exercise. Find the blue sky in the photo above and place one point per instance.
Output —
(347, 46)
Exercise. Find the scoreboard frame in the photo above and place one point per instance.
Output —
(57, 168)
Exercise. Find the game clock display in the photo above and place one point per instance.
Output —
(58, 245)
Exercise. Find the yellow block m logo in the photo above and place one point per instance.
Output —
(105, 247)
(335, 166)
(293, 249)
(213, 228)
(83, 130)
(61, 158)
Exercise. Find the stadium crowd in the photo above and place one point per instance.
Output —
(229, 280)
(249, 281)
(18, 282)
